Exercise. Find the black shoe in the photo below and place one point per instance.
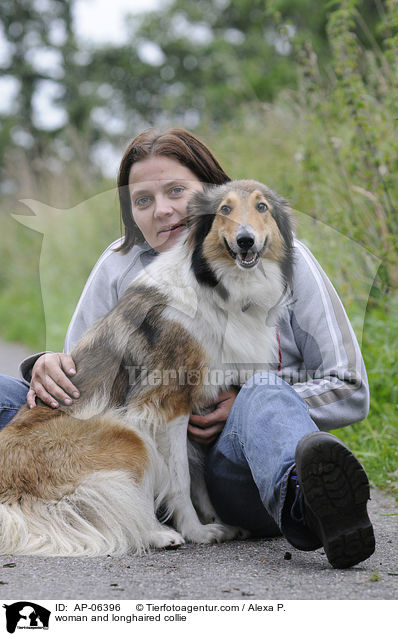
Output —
(335, 489)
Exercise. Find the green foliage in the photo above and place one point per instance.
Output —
(355, 115)
(213, 57)
(375, 441)
(42, 276)
(221, 54)
(30, 34)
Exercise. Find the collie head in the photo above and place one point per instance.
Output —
(242, 223)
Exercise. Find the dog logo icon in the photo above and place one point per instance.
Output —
(26, 615)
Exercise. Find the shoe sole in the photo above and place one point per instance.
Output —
(336, 489)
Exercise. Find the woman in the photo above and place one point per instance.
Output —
(269, 468)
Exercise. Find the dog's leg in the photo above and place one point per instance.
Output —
(174, 449)
(154, 487)
(200, 496)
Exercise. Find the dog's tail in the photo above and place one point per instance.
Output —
(106, 514)
(75, 487)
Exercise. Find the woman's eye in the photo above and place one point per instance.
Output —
(177, 190)
(142, 202)
(261, 206)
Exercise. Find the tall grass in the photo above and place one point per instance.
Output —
(376, 440)
(43, 268)
(331, 148)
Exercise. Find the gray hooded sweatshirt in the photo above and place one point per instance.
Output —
(320, 355)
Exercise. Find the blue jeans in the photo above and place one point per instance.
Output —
(248, 468)
(12, 397)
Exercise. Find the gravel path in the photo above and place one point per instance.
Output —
(236, 570)
(11, 355)
(259, 569)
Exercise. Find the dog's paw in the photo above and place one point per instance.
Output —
(233, 532)
(230, 532)
(241, 533)
(165, 538)
(210, 533)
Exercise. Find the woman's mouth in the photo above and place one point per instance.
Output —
(173, 229)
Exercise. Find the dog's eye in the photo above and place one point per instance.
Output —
(261, 206)
(225, 209)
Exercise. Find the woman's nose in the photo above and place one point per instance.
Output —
(163, 206)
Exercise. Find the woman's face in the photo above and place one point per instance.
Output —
(160, 188)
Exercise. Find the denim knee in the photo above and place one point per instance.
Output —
(266, 383)
(264, 378)
(12, 397)
(267, 400)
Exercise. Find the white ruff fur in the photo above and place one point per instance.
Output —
(220, 326)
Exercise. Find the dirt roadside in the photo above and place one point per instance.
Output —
(11, 355)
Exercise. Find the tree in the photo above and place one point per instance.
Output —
(191, 61)
(43, 58)
(208, 57)
(211, 57)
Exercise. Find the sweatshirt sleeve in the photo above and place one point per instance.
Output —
(99, 295)
(97, 298)
(108, 281)
(333, 380)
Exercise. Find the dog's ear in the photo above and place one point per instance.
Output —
(201, 211)
(202, 203)
(282, 214)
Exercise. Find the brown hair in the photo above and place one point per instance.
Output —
(175, 143)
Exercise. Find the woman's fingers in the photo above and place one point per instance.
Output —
(50, 382)
(31, 398)
(67, 363)
(204, 429)
(46, 397)
(53, 388)
(56, 375)
(206, 435)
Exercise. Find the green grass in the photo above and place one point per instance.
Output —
(375, 440)
(42, 276)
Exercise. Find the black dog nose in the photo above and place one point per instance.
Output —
(245, 240)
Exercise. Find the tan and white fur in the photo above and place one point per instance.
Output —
(90, 479)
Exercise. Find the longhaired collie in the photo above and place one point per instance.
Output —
(89, 479)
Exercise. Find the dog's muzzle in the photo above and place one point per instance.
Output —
(246, 254)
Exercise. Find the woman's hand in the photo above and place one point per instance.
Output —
(204, 429)
(50, 380)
